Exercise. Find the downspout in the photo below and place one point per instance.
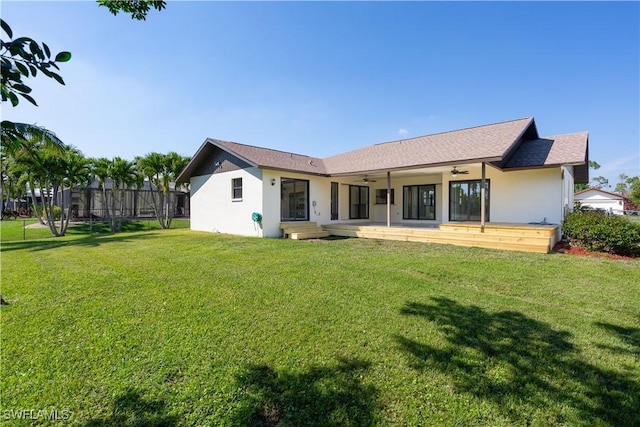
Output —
(388, 199)
(482, 197)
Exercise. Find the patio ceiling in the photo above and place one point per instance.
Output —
(408, 173)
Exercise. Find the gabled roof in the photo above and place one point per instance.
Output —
(480, 143)
(513, 144)
(273, 159)
(599, 190)
(551, 151)
(254, 156)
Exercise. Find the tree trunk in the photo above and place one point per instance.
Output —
(34, 202)
(47, 206)
(122, 197)
(113, 210)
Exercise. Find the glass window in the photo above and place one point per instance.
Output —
(464, 200)
(381, 196)
(358, 202)
(294, 199)
(236, 188)
(334, 200)
(419, 202)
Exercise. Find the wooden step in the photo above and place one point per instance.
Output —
(315, 234)
(300, 230)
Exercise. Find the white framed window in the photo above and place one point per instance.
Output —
(236, 189)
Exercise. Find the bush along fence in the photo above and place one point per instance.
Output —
(596, 232)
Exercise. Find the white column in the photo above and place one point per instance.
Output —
(482, 197)
(388, 199)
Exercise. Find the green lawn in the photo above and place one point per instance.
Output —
(19, 229)
(174, 327)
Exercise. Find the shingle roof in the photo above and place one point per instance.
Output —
(550, 151)
(273, 159)
(489, 142)
(511, 145)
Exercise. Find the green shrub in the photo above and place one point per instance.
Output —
(57, 213)
(602, 233)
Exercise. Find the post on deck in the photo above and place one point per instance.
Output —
(482, 197)
(388, 199)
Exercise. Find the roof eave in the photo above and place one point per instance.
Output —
(230, 151)
(412, 167)
(549, 166)
(182, 178)
(295, 171)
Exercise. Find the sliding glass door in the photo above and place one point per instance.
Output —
(419, 202)
(294, 199)
(464, 200)
(358, 202)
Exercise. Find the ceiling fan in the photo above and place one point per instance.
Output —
(456, 172)
(366, 179)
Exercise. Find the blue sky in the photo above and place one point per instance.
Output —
(322, 78)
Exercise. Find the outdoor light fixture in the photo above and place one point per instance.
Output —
(217, 165)
(273, 181)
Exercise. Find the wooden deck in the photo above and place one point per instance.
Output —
(518, 237)
(299, 230)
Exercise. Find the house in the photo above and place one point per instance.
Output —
(597, 198)
(426, 181)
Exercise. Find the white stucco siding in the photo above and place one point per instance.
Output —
(213, 208)
(527, 196)
(567, 189)
(319, 192)
(379, 211)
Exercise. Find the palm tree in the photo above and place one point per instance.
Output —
(123, 174)
(161, 170)
(78, 173)
(17, 135)
(101, 170)
(23, 138)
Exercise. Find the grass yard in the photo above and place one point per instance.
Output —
(176, 327)
(23, 229)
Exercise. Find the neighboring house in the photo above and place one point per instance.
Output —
(432, 179)
(599, 199)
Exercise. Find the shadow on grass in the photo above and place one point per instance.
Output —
(89, 240)
(521, 365)
(629, 336)
(131, 408)
(323, 396)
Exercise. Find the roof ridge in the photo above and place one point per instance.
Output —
(456, 130)
(264, 148)
(564, 134)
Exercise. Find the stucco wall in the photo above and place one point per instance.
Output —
(397, 184)
(213, 208)
(567, 189)
(519, 196)
(526, 196)
(319, 192)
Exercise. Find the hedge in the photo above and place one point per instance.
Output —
(602, 233)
